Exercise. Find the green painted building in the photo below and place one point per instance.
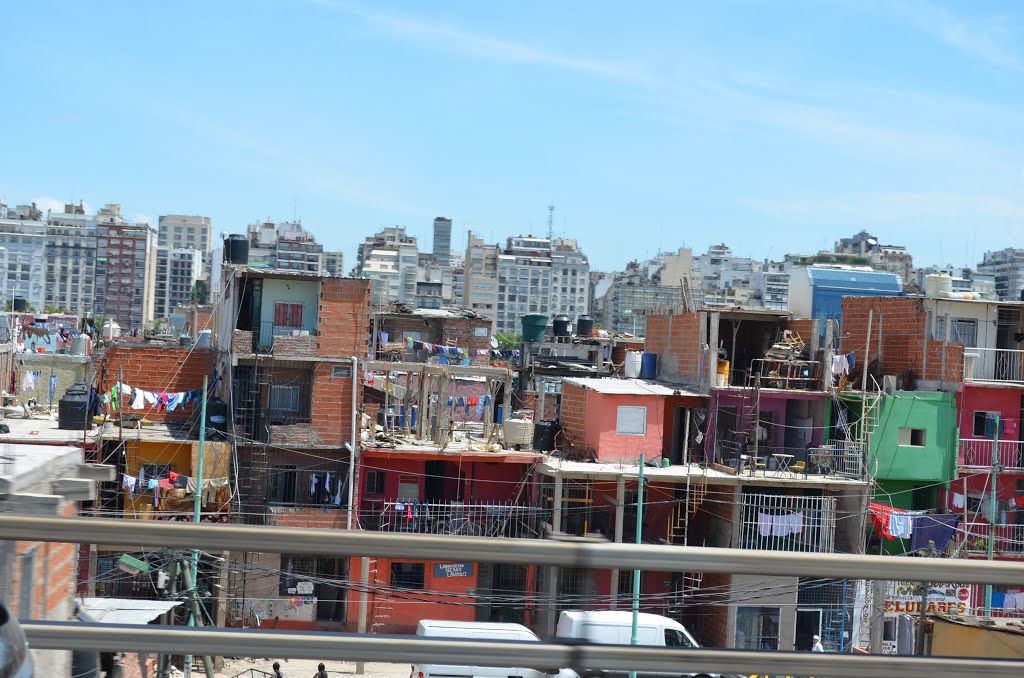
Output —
(913, 451)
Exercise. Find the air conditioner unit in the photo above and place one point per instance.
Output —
(889, 383)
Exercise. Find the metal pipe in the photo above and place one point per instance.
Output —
(353, 450)
(413, 649)
(655, 557)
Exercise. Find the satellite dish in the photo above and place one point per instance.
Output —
(494, 343)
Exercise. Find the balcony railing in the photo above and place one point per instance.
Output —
(977, 453)
(773, 522)
(474, 520)
(994, 364)
(844, 458)
(974, 537)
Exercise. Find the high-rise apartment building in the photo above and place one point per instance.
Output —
(390, 260)
(334, 264)
(480, 277)
(442, 241)
(1007, 267)
(22, 247)
(286, 246)
(71, 260)
(177, 270)
(125, 269)
(187, 231)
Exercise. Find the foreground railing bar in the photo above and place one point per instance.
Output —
(585, 553)
(414, 649)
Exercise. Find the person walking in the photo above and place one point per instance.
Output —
(321, 671)
(277, 670)
(816, 645)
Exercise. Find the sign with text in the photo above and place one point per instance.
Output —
(443, 570)
(904, 597)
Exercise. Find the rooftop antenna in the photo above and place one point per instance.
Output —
(551, 221)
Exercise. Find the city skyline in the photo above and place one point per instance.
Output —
(741, 122)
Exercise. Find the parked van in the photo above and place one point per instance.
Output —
(615, 627)
(434, 628)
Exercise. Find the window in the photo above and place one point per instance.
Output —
(631, 421)
(981, 418)
(287, 314)
(295, 569)
(914, 437)
(407, 575)
(156, 470)
(281, 484)
(676, 638)
(374, 483)
(284, 398)
(757, 628)
(960, 332)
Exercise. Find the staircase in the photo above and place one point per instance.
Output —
(686, 507)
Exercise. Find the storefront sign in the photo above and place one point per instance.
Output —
(904, 597)
(443, 570)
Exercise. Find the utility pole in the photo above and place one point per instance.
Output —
(164, 667)
(636, 573)
(196, 618)
(996, 423)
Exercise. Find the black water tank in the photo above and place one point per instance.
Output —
(560, 326)
(73, 408)
(216, 419)
(236, 249)
(544, 433)
(584, 326)
(20, 304)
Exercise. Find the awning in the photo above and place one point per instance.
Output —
(124, 610)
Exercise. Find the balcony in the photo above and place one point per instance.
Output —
(457, 518)
(800, 523)
(994, 364)
(976, 454)
(974, 536)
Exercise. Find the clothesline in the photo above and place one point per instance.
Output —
(123, 396)
(456, 352)
(140, 484)
(920, 527)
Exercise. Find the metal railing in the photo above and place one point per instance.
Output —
(549, 657)
(994, 364)
(487, 519)
(974, 538)
(844, 458)
(777, 522)
(977, 453)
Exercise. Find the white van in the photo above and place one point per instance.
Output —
(434, 628)
(615, 627)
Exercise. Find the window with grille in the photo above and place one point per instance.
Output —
(281, 484)
(287, 314)
(284, 398)
(375, 482)
(295, 569)
(407, 576)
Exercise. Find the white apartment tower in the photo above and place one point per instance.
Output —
(71, 260)
(22, 248)
(187, 231)
(390, 259)
(177, 270)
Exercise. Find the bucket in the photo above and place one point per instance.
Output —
(649, 366)
(634, 359)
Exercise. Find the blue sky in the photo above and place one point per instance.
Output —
(772, 126)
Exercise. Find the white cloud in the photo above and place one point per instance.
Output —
(488, 47)
(980, 39)
(47, 203)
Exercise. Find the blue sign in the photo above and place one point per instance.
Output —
(442, 570)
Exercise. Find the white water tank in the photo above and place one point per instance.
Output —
(634, 359)
(110, 330)
(937, 284)
(518, 432)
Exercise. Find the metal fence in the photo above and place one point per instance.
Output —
(1009, 538)
(486, 519)
(995, 364)
(778, 522)
(977, 453)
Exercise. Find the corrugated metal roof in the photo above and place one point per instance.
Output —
(629, 387)
(876, 281)
(125, 610)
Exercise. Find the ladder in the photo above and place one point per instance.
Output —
(683, 510)
(383, 604)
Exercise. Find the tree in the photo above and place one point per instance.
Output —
(201, 292)
(508, 341)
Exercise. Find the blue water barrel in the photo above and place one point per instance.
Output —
(649, 366)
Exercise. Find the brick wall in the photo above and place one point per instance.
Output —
(135, 665)
(804, 327)
(676, 340)
(530, 402)
(459, 332)
(902, 325)
(308, 517)
(155, 368)
(574, 410)
(332, 403)
(54, 572)
(295, 347)
(344, 317)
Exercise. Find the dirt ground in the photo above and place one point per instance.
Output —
(306, 668)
